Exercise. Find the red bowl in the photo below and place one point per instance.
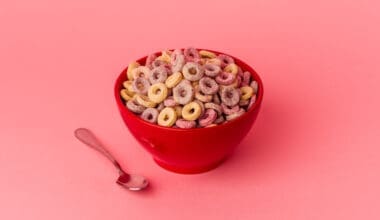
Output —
(190, 150)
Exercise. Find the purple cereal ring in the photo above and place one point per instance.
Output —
(149, 60)
(158, 75)
(160, 106)
(207, 118)
(133, 106)
(177, 61)
(254, 86)
(192, 54)
(192, 71)
(235, 115)
(246, 78)
(214, 106)
(219, 120)
(225, 78)
(225, 60)
(141, 85)
(169, 102)
(212, 70)
(230, 96)
(183, 93)
(216, 99)
(252, 101)
(208, 86)
(182, 123)
(229, 110)
(150, 115)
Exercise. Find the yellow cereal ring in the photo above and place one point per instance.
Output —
(144, 101)
(191, 111)
(131, 67)
(207, 54)
(246, 92)
(231, 68)
(178, 110)
(165, 56)
(128, 86)
(202, 97)
(215, 61)
(157, 92)
(167, 117)
(124, 94)
(173, 80)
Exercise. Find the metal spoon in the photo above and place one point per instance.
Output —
(130, 181)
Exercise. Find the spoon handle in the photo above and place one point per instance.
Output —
(88, 138)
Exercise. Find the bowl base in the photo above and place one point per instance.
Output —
(189, 170)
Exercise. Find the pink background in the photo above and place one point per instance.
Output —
(313, 153)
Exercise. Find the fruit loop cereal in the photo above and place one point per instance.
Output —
(188, 88)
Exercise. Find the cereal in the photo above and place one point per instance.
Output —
(158, 75)
(188, 89)
(167, 117)
(157, 92)
(192, 71)
(191, 111)
(173, 80)
(150, 115)
(183, 93)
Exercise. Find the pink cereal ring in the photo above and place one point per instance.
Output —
(240, 71)
(183, 93)
(246, 78)
(239, 81)
(252, 101)
(169, 102)
(212, 70)
(235, 115)
(192, 54)
(192, 71)
(182, 123)
(214, 106)
(141, 85)
(230, 96)
(254, 86)
(133, 106)
(208, 86)
(150, 115)
(157, 63)
(177, 59)
(207, 118)
(229, 110)
(225, 60)
(158, 75)
(149, 60)
(225, 78)
(160, 106)
(219, 120)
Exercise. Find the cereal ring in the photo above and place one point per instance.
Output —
(183, 93)
(240, 71)
(158, 75)
(211, 70)
(214, 61)
(125, 95)
(165, 56)
(191, 54)
(231, 68)
(214, 106)
(252, 101)
(192, 71)
(225, 78)
(141, 71)
(235, 115)
(219, 120)
(158, 92)
(133, 106)
(208, 86)
(225, 60)
(207, 54)
(182, 123)
(127, 84)
(149, 60)
(203, 109)
(246, 92)
(140, 85)
(173, 80)
(216, 99)
(207, 118)
(150, 115)
(191, 111)
(160, 106)
(178, 110)
(145, 101)
(246, 78)
(254, 86)
(131, 67)
(203, 98)
(243, 102)
(167, 117)
(177, 61)
(157, 63)
(169, 102)
(230, 96)
(229, 110)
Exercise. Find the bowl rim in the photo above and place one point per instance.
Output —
(259, 97)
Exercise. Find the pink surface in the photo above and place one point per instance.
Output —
(313, 153)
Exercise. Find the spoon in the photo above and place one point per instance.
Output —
(130, 181)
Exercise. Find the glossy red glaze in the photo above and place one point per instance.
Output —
(190, 150)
